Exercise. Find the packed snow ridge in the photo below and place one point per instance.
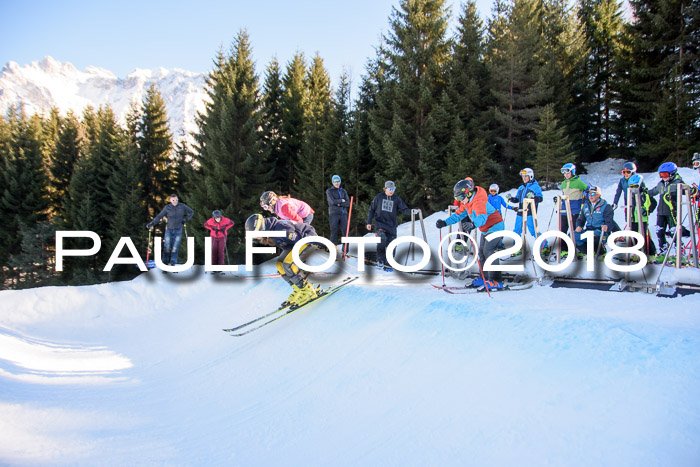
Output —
(49, 83)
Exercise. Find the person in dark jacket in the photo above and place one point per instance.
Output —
(596, 215)
(667, 188)
(302, 290)
(218, 226)
(338, 202)
(384, 211)
(178, 214)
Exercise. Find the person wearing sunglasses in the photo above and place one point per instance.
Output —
(667, 190)
(286, 207)
(496, 200)
(384, 212)
(530, 189)
(573, 187)
(475, 203)
(628, 169)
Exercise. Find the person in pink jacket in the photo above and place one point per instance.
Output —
(218, 225)
(287, 208)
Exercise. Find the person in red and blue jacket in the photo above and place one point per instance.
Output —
(475, 204)
(218, 226)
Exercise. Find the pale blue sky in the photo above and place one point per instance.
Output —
(123, 35)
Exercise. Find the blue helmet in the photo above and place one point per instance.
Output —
(335, 178)
(566, 168)
(669, 167)
(631, 166)
(635, 181)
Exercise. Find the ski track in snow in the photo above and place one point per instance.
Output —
(387, 371)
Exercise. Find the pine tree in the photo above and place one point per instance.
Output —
(233, 166)
(552, 146)
(63, 159)
(516, 57)
(410, 147)
(155, 143)
(293, 107)
(315, 161)
(23, 196)
(272, 125)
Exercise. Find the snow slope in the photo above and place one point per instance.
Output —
(388, 371)
(49, 83)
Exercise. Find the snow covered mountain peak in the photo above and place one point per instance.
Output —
(49, 83)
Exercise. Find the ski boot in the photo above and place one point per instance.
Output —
(307, 292)
(293, 297)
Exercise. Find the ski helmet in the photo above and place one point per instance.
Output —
(630, 167)
(268, 199)
(566, 168)
(494, 189)
(635, 181)
(216, 214)
(668, 167)
(255, 222)
(528, 172)
(463, 188)
(335, 178)
(696, 160)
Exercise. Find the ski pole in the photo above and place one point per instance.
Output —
(228, 262)
(347, 230)
(442, 265)
(148, 247)
(482, 273)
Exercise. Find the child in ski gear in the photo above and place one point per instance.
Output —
(338, 202)
(495, 200)
(474, 202)
(529, 189)
(667, 188)
(648, 204)
(302, 290)
(573, 188)
(628, 169)
(218, 227)
(178, 214)
(286, 207)
(596, 215)
(384, 211)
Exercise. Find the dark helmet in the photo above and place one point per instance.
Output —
(255, 222)
(631, 166)
(669, 167)
(216, 214)
(267, 199)
(696, 160)
(462, 188)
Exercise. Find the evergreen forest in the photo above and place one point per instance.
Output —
(537, 84)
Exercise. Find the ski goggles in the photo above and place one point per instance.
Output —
(391, 190)
(523, 173)
(696, 164)
(664, 174)
(493, 192)
(564, 171)
(265, 206)
(626, 172)
(635, 186)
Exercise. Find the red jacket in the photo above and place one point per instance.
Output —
(219, 229)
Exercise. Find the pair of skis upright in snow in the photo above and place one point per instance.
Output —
(283, 311)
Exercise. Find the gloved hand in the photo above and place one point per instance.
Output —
(149, 226)
(614, 206)
(468, 226)
(440, 223)
(508, 196)
(530, 195)
(555, 199)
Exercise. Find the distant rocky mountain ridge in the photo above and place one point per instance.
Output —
(50, 83)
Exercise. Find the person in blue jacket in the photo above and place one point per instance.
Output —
(596, 215)
(338, 202)
(530, 189)
(628, 169)
(496, 200)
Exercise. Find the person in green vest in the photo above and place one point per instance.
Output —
(573, 187)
